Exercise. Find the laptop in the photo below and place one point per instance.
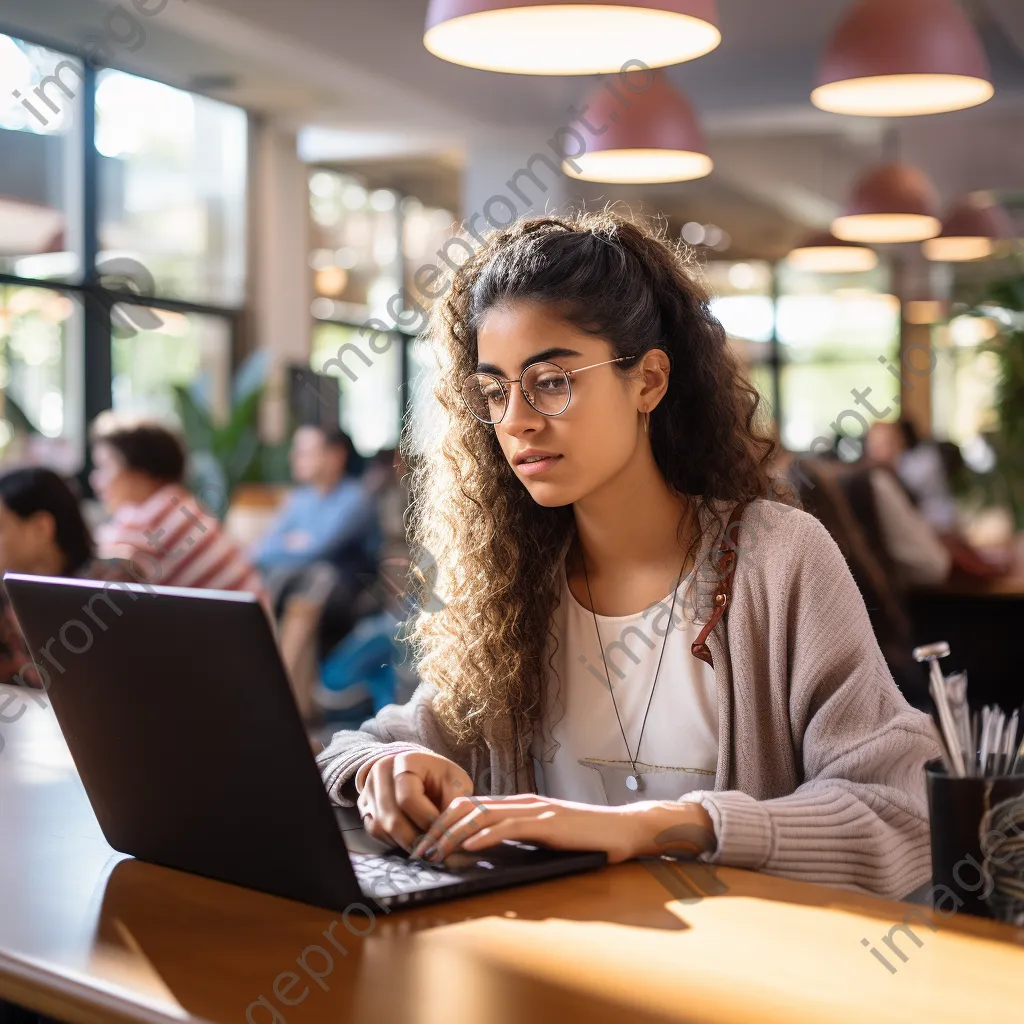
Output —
(177, 710)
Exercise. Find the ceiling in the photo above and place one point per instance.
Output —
(359, 71)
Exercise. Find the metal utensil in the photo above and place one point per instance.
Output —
(937, 687)
(956, 694)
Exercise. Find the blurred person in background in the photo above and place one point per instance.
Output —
(42, 533)
(330, 514)
(885, 507)
(156, 523)
(920, 468)
(371, 662)
(320, 554)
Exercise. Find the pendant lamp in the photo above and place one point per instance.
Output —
(574, 37)
(823, 253)
(894, 202)
(897, 58)
(640, 137)
(971, 231)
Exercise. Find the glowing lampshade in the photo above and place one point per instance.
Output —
(971, 231)
(896, 58)
(891, 203)
(655, 139)
(574, 37)
(823, 253)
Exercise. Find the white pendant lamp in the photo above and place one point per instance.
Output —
(574, 37)
(894, 202)
(898, 58)
(823, 253)
(972, 230)
(655, 139)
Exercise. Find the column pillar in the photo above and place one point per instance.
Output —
(280, 285)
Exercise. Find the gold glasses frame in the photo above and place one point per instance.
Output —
(501, 382)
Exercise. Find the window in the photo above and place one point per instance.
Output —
(370, 379)
(368, 245)
(966, 379)
(356, 261)
(40, 162)
(833, 330)
(743, 304)
(172, 187)
(155, 349)
(812, 344)
(166, 219)
(40, 371)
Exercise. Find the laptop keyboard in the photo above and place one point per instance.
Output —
(390, 875)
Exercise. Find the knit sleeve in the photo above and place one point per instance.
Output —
(859, 818)
(396, 728)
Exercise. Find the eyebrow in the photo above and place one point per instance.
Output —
(537, 357)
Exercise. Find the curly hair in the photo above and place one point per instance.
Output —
(497, 554)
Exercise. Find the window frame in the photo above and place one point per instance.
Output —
(96, 300)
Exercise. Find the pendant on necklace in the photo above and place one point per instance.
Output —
(633, 783)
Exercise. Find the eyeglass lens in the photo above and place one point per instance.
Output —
(545, 384)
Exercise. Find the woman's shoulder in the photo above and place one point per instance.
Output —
(773, 536)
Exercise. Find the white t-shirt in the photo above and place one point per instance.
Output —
(679, 750)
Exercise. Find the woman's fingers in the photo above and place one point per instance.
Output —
(413, 802)
(536, 827)
(454, 785)
(382, 817)
(464, 818)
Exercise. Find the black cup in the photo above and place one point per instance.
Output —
(956, 807)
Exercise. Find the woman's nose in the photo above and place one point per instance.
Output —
(520, 414)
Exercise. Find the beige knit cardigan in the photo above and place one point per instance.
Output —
(820, 760)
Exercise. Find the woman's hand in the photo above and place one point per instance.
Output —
(650, 828)
(403, 794)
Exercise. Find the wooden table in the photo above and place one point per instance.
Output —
(88, 936)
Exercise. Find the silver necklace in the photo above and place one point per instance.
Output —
(634, 782)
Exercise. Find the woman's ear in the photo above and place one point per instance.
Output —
(656, 368)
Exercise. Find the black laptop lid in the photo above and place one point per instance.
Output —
(181, 721)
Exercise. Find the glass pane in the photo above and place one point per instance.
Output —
(154, 349)
(742, 298)
(41, 383)
(40, 162)
(172, 180)
(425, 229)
(370, 379)
(818, 400)
(355, 260)
(965, 380)
(848, 324)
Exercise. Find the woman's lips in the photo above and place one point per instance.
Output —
(536, 468)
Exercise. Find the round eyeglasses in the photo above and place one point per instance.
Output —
(546, 386)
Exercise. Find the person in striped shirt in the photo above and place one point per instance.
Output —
(168, 535)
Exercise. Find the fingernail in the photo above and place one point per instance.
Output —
(430, 853)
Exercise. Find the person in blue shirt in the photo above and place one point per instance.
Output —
(330, 513)
(324, 544)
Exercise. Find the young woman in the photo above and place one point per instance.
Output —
(595, 673)
(42, 532)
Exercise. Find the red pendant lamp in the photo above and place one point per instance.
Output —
(645, 132)
(898, 58)
(972, 230)
(894, 202)
(572, 37)
(823, 253)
